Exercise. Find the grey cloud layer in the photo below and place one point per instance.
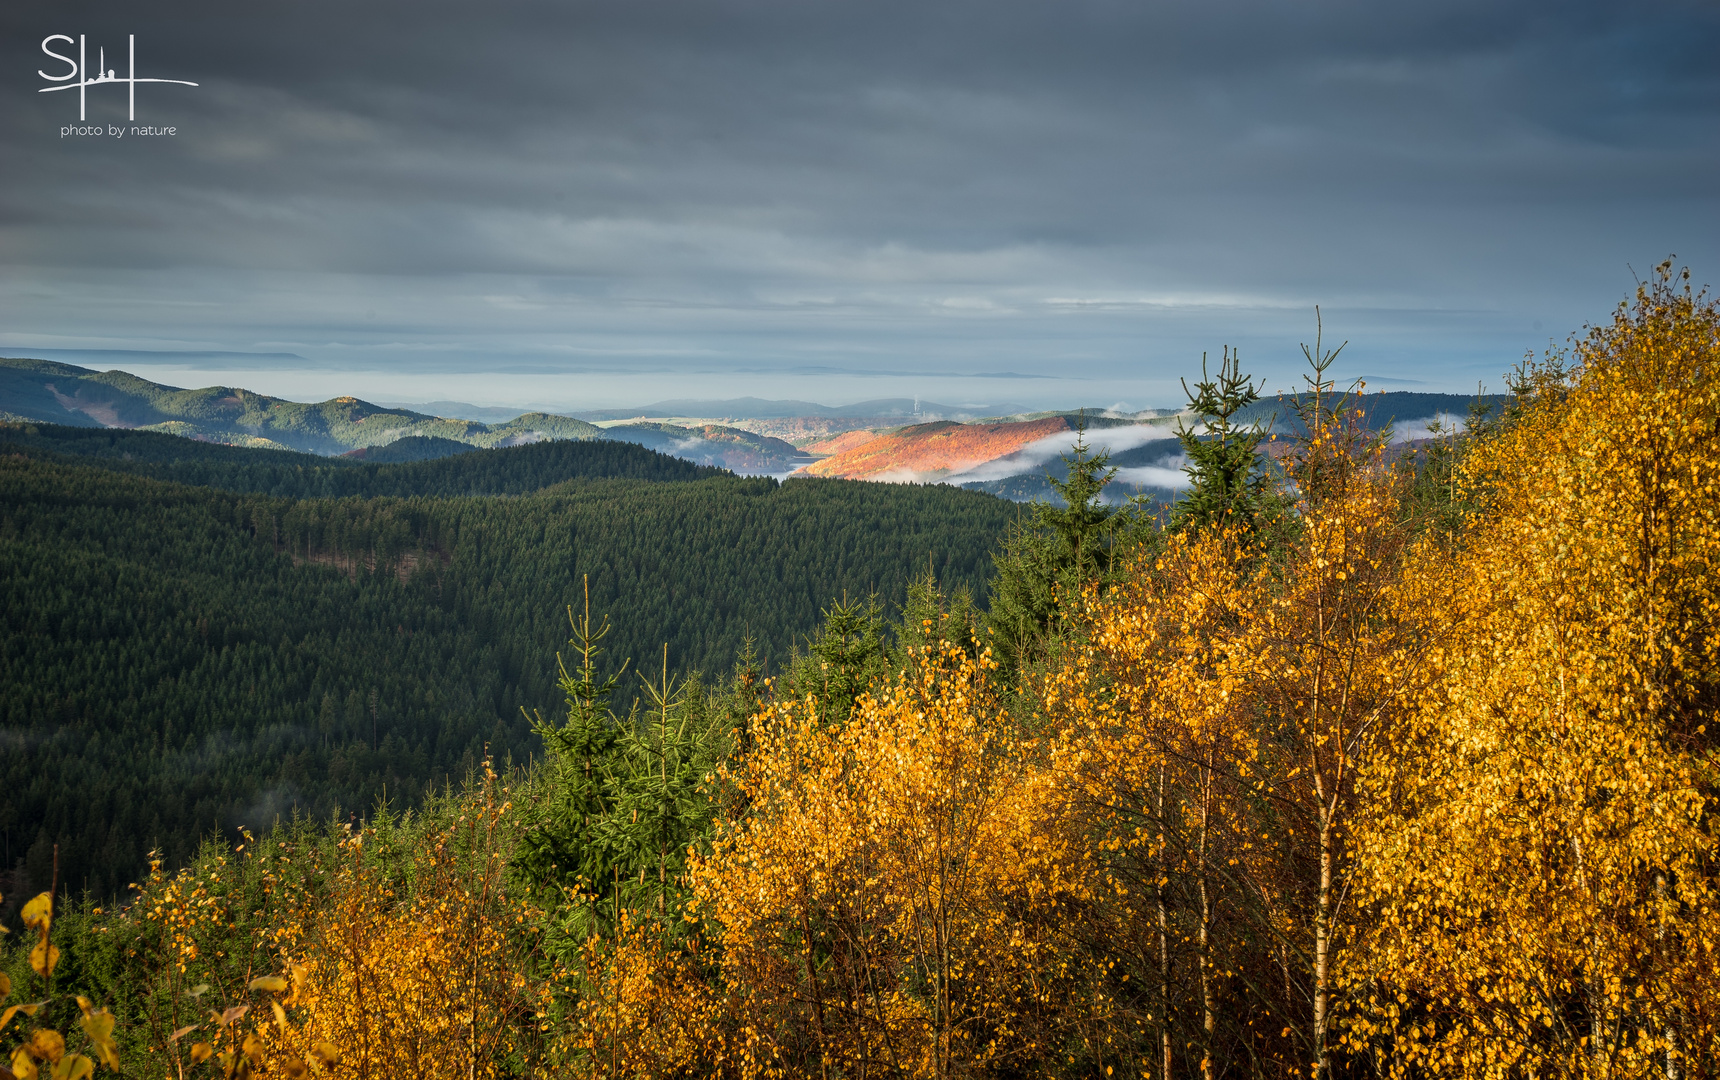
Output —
(977, 186)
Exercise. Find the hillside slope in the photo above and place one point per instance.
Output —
(714, 444)
(515, 470)
(841, 444)
(63, 394)
(184, 659)
(50, 392)
(934, 451)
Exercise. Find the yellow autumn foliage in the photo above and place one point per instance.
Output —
(1213, 714)
(890, 901)
(644, 1007)
(426, 984)
(1539, 851)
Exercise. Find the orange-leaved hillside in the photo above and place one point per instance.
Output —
(840, 444)
(929, 451)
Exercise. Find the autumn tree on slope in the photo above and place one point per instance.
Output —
(1541, 843)
(892, 903)
(1216, 710)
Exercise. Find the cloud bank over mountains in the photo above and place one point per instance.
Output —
(1004, 200)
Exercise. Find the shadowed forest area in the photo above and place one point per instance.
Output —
(204, 637)
(1360, 761)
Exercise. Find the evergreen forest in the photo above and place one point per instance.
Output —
(1364, 759)
(200, 637)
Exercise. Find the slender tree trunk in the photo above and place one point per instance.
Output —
(817, 996)
(1209, 1021)
(1671, 1030)
(1164, 939)
(941, 924)
(1323, 948)
(1328, 795)
(1592, 979)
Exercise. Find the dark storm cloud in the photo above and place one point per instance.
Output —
(871, 187)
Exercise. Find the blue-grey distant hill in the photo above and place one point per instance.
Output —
(489, 414)
(1407, 413)
(1394, 408)
(752, 408)
(48, 391)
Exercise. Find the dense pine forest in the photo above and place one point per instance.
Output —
(290, 634)
(1363, 760)
(519, 471)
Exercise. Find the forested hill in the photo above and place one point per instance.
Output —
(1381, 409)
(515, 470)
(177, 659)
(43, 391)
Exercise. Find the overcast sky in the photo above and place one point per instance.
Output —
(1051, 203)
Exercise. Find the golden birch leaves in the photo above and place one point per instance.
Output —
(1540, 844)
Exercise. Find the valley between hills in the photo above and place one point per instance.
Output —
(893, 440)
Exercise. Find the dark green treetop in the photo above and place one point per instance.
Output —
(1225, 479)
(1057, 552)
(843, 658)
(566, 846)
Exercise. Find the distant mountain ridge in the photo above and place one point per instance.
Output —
(752, 408)
(48, 391)
(411, 467)
(1390, 407)
(885, 439)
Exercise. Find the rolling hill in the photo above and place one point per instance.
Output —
(51, 392)
(934, 451)
(713, 444)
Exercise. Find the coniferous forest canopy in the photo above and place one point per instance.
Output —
(1363, 760)
(289, 634)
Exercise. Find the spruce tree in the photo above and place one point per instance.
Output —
(1225, 480)
(1061, 549)
(843, 658)
(931, 616)
(661, 805)
(568, 846)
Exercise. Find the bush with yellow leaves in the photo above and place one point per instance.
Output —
(239, 1051)
(427, 975)
(641, 1004)
(44, 1053)
(198, 945)
(891, 900)
(388, 950)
